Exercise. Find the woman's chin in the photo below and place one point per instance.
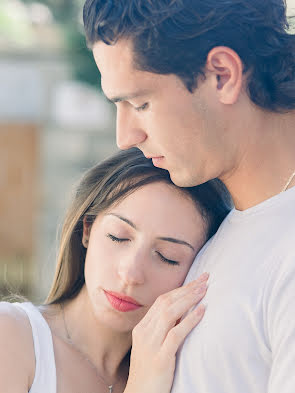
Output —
(119, 322)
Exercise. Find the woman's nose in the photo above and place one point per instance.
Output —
(131, 270)
(129, 131)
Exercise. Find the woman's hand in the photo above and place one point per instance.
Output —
(159, 334)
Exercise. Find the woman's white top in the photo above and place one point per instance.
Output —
(45, 372)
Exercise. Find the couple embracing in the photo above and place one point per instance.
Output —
(205, 97)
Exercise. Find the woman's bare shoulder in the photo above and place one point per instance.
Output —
(17, 357)
(9, 312)
(14, 320)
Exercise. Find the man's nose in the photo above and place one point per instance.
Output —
(131, 270)
(129, 132)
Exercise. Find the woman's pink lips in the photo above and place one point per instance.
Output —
(121, 302)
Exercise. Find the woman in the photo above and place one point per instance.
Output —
(126, 246)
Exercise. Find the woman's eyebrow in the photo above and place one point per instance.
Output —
(123, 219)
(166, 239)
(177, 241)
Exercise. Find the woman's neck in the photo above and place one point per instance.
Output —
(105, 348)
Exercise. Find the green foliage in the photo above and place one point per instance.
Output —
(62, 10)
(67, 14)
(80, 57)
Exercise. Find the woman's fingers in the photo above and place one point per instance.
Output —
(157, 337)
(170, 312)
(171, 298)
(169, 308)
(172, 305)
(177, 334)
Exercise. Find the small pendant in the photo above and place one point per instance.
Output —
(110, 388)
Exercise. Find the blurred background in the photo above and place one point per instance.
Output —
(54, 124)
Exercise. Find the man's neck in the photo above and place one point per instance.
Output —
(266, 161)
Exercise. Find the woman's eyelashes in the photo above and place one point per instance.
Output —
(117, 239)
(121, 240)
(169, 261)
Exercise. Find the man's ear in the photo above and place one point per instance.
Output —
(86, 232)
(227, 65)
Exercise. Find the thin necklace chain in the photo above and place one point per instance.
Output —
(288, 182)
(110, 387)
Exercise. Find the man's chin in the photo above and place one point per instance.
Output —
(182, 180)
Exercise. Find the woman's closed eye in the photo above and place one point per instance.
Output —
(121, 240)
(166, 260)
(117, 239)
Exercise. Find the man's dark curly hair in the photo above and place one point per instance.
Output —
(175, 37)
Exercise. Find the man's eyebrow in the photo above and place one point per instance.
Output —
(177, 241)
(123, 219)
(166, 239)
(127, 97)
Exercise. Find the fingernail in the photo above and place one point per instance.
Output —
(201, 289)
(204, 276)
(200, 309)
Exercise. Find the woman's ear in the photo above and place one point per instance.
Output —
(86, 232)
(226, 64)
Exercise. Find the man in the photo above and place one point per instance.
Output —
(207, 89)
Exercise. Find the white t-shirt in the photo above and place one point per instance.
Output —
(246, 341)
